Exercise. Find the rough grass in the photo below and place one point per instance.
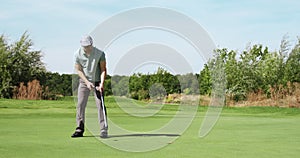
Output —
(43, 129)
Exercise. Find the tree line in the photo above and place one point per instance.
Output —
(157, 85)
(259, 70)
(254, 70)
(20, 65)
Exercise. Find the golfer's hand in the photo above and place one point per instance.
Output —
(100, 88)
(90, 85)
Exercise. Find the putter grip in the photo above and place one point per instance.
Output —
(98, 93)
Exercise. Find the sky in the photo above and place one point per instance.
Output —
(56, 26)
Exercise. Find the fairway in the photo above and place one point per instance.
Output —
(43, 129)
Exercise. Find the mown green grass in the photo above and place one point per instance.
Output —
(43, 129)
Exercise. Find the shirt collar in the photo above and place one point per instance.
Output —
(92, 53)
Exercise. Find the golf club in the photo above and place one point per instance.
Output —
(100, 96)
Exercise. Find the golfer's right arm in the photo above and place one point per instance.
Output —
(82, 76)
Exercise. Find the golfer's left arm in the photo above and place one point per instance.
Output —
(102, 75)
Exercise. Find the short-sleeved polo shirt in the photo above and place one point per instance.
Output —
(90, 64)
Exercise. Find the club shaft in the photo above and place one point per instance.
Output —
(103, 109)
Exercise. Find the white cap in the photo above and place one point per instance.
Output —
(86, 40)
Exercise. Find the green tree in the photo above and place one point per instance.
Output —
(168, 81)
(189, 83)
(107, 85)
(292, 68)
(19, 63)
(270, 70)
(217, 69)
(205, 81)
(66, 84)
(120, 85)
(139, 86)
(5, 78)
(250, 59)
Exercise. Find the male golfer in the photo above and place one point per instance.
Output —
(90, 64)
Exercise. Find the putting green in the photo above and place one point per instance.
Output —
(43, 129)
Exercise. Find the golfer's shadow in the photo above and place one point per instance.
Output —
(137, 135)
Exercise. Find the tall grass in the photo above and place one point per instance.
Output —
(32, 91)
(278, 96)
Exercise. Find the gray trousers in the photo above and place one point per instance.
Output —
(83, 96)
